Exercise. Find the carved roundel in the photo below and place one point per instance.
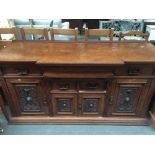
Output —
(64, 105)
(28, 98)
(90, 105)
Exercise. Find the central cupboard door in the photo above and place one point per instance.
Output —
(92, 93)
(91, 104)
(78, 104)
(64, 104)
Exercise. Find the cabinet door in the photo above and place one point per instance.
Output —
(129, 97)
(28, 95)
(64, 104)
(91, 104)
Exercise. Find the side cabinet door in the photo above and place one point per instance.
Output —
(28, 95)
(129, 97)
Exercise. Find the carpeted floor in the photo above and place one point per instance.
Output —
(74, 129)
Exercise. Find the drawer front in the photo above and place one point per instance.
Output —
(134, 70)
(64, 104)
(21, 70)
(64, 85)
(92, 85)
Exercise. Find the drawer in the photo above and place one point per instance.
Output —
(21, 70)
(134, 70)
(92, 85)
(64, 85)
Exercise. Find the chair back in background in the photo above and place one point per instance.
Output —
(36, 33)
(64, 34)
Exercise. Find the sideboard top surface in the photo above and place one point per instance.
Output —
(78, 53)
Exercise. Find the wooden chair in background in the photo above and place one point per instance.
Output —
(4, 41)
(134, 35)
(9, 31)
(35, 33)
(64, 32)
(108, 33)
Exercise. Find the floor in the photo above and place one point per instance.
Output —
(74, 129)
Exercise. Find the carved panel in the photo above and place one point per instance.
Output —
(64, 105)
(90, 105)
(127, 99)
(28, 98)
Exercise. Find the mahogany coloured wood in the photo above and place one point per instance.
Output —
(77, 82)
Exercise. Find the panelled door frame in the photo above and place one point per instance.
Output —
(27, 97)
(142, 86)
(64, 104)
(91, 104)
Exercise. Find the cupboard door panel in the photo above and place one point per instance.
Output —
(91, 104)
(27, 95)
(129, 96)
(127, 100)
(64, 104)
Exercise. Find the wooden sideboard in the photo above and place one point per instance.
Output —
(77, 82)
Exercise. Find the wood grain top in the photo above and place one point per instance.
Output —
(78, 53)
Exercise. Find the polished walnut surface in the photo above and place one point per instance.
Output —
(79, 52)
